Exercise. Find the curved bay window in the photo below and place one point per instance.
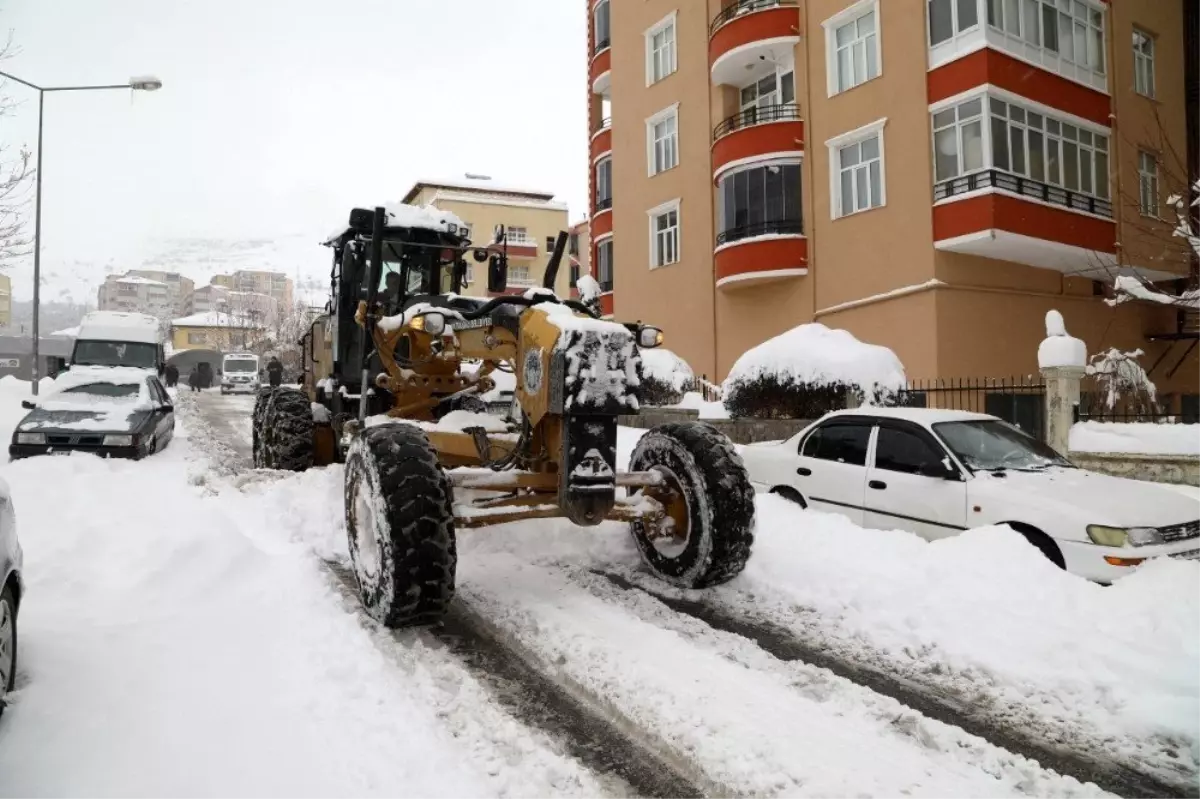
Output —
(760, 201)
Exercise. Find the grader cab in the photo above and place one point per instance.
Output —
(394, 375)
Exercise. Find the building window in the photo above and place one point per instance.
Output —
(662, 140)
(1049, 150)
(601, 29)
(519, 236)
(1147, 183)
(550, 242)
(518, 275)
(664, 234)
(1073, 29)
(958, 140)
(573, 245)
(197, 338)
(661, 59)
(1143, 63)
(778, 88)
(852, 46)
(857, 170)
(948, 18)
(604, 264)
(574, 274)
(760, 201)
(604, 184)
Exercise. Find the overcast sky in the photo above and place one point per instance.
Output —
(276, 116)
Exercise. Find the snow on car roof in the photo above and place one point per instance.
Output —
(924, 416)
(118, 326)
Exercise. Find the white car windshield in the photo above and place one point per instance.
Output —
(241, 365)
(993, 445)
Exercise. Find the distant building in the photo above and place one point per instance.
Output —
(578, 249)
(532, 218)
(5, 301)
(251, 281)
(161, 294)
(206, 298)
(214, 330)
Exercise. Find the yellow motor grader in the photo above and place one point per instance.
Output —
(394, 375)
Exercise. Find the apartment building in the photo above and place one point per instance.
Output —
(932, 175)
(244, 305)
(158, 293)
(254, 281)
(532, 218)
(5, 301)
(578, 250)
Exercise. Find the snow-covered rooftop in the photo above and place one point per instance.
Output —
(476, 183)
(213, 319)
(141, 281)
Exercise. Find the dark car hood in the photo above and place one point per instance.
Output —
(99, 421)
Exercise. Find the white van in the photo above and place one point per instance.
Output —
(239, 373)
(116, 338)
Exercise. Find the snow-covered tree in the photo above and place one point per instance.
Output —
(16, 177)
(1119, 379)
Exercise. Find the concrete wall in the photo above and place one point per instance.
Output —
(740, 431)
(1178, 469)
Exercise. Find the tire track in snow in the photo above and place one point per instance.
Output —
(568, 714)
(973, 719)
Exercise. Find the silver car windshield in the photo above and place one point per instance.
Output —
(993, 445)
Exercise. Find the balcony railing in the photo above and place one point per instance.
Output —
(601, 46)
(606, 285)
(1034, 189)
(735, 10)
(781, 227)
(782, 112)
(603, 203)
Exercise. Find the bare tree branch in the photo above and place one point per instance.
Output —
(16, 177)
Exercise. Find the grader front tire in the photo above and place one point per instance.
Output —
(709, 531)
(400, 522)
(261, 403)
(286, 436)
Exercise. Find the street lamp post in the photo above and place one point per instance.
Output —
(145, 84)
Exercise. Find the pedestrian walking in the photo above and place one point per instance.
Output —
(274, 371)
(172, 375)
(194, 378)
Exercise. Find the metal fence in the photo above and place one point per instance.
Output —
(1097, 405)
(1018, 400)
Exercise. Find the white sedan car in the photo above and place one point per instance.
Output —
(936, 473)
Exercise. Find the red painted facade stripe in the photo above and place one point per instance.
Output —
(773, 137)
(761, 256)
(602, 143)
(999, 69)
(601, 224)
(600, 64)
(754, 27)
(606, 304)
(1002, 212)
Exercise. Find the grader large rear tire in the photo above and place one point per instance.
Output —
(709, 530)
(400, 521)
(261, 402)
(287, 432)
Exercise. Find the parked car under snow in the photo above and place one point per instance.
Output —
(112, 412)
(936, 473)
(12, 587)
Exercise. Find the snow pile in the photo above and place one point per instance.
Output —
(667, 367)
(1058, 348)
(1127, 286)
(694, 400)
(1136, 438)
(816, 354)
(390, 324)
(537, 292)
(214, 319)
(427, 217)
(589, 289)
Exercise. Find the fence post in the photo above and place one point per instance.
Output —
(1062, 397)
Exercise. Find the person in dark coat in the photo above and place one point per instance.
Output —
(172, 375)
(194, 378)
(274, 372)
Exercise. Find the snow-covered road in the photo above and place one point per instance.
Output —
(182, 635)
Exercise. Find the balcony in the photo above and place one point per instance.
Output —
(767, 131)
(759, 253)
(602, 139)
(994, 214)
(599, 72)
(749, 31)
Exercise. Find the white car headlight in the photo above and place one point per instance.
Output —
(1144, 536)
(1107, 536)
(118, 440)
(31, 438)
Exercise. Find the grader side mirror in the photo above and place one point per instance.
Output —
(498, 273)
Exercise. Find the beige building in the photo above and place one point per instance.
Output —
(143, 291)
(932, 175)
(213, 330)
(579, 247)
(253, 281)
(532, 218)
(5, 301)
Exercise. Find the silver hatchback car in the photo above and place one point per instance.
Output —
(11, 589)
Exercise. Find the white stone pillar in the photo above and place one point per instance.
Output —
(1062, 397)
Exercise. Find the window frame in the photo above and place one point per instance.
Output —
(596, 49)
(851, 15)
(670, 113)
(868, 424)
(1143, 58)
(725, 225)
(602, 161)
(936, 447)
(667, 23)
(656, 213)
(1155, 188)
(1062, 12)
(958, 125)
(848, 139)
(601, 263)
(955, 30)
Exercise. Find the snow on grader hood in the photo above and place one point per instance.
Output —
(387, 391)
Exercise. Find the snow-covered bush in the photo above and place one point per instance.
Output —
(665, 378)
(808, 371)
(1117, 376)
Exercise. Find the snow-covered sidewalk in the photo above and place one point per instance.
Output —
(175, 640)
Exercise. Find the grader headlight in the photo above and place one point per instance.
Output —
(432, 323)
(650, 337)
